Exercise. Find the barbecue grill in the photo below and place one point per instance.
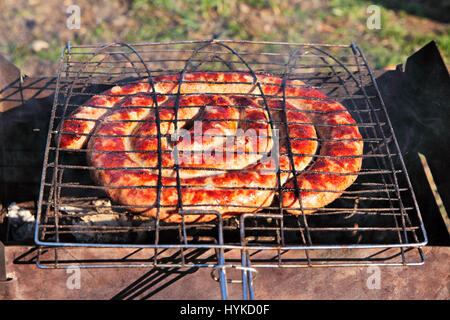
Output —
(379, 211)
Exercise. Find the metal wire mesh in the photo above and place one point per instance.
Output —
(377, 212)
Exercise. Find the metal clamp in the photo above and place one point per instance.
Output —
(247, 280)
(244, 269)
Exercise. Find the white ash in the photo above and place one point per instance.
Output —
(101, 216)
(103, 206)
(21, 223)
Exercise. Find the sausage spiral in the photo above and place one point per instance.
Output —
(220, 168)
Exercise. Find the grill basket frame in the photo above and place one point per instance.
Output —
(343, 64)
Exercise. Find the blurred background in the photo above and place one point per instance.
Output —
(35, 31)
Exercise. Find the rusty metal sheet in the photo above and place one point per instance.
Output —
(429, 281)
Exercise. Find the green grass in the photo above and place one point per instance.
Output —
(346, 21)
(334, 21)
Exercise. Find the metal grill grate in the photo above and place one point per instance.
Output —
(377, 212)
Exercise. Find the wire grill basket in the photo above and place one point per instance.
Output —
(378, 211)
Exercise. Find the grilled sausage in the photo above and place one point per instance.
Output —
(124, 147)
